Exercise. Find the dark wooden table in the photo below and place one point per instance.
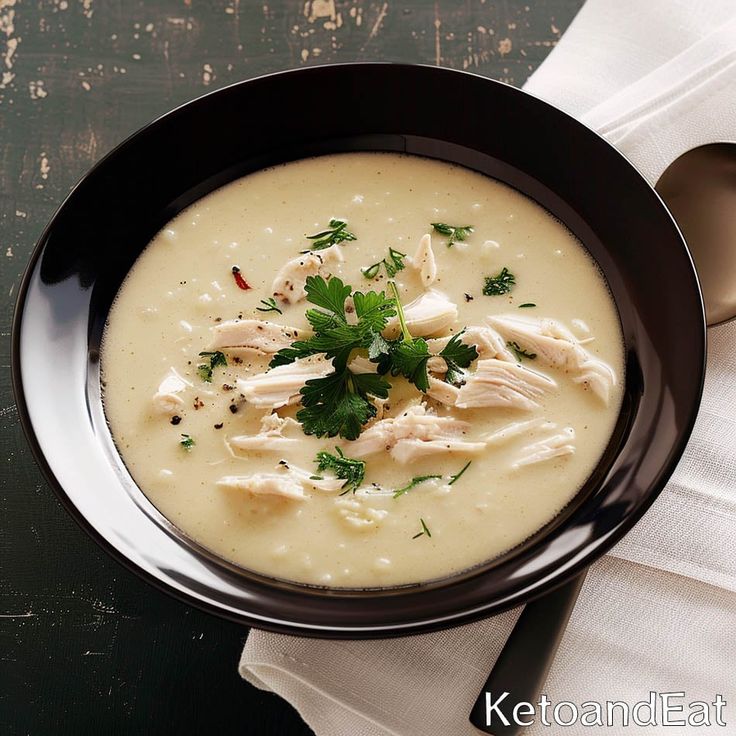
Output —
(85, 647)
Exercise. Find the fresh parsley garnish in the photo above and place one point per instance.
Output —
(392, 265)
(457, 356)
(269, 305)
(346, 468)
(339, 404)
(519, 352)
(187, 442)
(501, 283)
(336, 233)
(425, 530)
(455, 233)
(457, 476)
(205, 369)
(413, 483)
(526, 305)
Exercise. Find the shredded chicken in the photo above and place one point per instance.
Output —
(270, 438)
(499, 383)
(555, 445)
(280, 386)
(413, 434)
(288, 481)
(556, 346)
(429, 314)
(516, 429)
(292, 277)
(255, 335)
(424, 261)
(488, 343)
(442, 391)
(167, 399)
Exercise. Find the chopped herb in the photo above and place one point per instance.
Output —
(269, 305)
(501, 283)
(205, 369)
(336, 233)
(392, 264)
(457, 355)
(425, 530)
(459, 475)
(413, 483)
(526, 305)
(520, 352)
(187, 442)
(239, 280)
(345, 468)
(455, 233)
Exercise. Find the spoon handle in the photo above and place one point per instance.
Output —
(521, 668)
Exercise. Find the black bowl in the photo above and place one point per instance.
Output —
(114, 211)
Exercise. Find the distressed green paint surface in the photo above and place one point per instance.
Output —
(85, 647)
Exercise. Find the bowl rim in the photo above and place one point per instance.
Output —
(421, 625)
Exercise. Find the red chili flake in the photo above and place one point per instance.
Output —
(239, 280)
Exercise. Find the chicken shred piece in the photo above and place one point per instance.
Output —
(516, 429)
(167, 400)
(289, 283)
(414, 433)
(557, 347)
(424, 261)
(499, 383)
(429, 314)
(442, 391)
(281, 385)
(270, 437)
(555, 445)
(488, 343)
(258, 336)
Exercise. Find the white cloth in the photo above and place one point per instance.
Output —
(656, 77)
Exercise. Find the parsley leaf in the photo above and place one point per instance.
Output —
(519, 352)
(457, 356)
(392, 265)
(345, 468)
(455, 233)
(409, 359)
(205, 369)
(339, 404)
(187, 442)
(336, 233)
(501, 283)
(413, 483)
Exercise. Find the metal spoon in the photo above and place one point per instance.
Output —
(699, 188)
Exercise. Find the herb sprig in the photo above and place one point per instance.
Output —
(457, 476)
(425, 530)
(269, 305)
(392, 265)
(413, 483)
(346, 468)
(215, 358)
(337, 232)
(187, 442)
(454, 233)
(500, 284)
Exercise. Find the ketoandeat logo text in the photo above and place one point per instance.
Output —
(659, 709)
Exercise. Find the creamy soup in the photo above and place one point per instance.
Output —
(446, 452)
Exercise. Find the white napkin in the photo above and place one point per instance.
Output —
(659, 612)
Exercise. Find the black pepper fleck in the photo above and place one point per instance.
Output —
(219, 426)
(468, 298)
(233, 408)
(175, 419)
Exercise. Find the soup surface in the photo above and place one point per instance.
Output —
(518, 408)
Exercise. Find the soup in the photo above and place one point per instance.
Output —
(362, 370)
